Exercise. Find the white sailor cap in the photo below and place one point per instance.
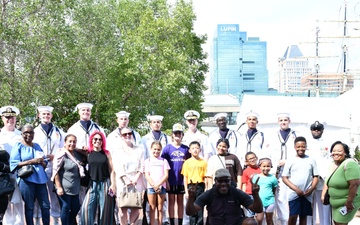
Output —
(279, 115)
(155, 118)
(9, 111)
(122, 114)
(252, 113)
(219, 115)
(191, 114)
(45, 108)
(84, 105)
(177, 127)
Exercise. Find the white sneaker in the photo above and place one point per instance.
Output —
(56, 220)
(37, 221)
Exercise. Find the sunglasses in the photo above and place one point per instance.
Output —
(97, 139)
(126, 134)
(220, 181)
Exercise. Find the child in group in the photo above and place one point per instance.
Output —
(301, 176)
(176, 154)
(268, 184)
(156, 174)
(251, 169)
(194, 170)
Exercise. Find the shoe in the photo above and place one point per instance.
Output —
(166, 223)
(56, 220)
(37, 221)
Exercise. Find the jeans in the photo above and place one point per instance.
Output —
(31, 192)
(70, 206)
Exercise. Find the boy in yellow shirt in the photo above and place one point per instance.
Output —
(194, 170)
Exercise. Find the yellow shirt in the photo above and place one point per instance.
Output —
(194, 169)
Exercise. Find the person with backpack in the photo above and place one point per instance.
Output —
(224, 202)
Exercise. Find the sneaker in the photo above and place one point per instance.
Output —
(56, 220)
(166, 223)
(37, 221)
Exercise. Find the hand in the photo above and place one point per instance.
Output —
(192, 189)
(308, 192)
(349, 206)
(254, 186)
(59, 191)
(299, 192)
(50, 157)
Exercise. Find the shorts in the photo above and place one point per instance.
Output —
(176, 189)
(270, 208)
(300, 206)
(151, 191)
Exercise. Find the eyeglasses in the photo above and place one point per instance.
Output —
(97, 139)
(220, 181)
(126, 134)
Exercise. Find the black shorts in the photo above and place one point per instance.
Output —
(176, 189)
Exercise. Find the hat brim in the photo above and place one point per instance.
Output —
(8, 114)
(191, 117)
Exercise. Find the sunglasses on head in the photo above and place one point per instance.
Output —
(126, 134)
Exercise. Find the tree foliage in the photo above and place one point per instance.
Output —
(141, 56)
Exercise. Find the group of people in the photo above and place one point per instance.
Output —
(78, 176)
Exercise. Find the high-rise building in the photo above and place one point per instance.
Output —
(238, 63)
(292, 67)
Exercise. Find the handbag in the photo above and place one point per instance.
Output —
(7, 186)
(326, 198)
(25, 171)
(130, 199)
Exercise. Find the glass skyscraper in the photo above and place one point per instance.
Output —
(238, 62)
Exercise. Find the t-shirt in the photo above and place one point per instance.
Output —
(224, 208)
(156, 167)
(70, 176)
(176, 157)
(194, 169)
(266, 184)
(300, 172)
(247, 174)
(230, 162)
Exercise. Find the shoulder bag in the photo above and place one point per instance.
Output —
(130, 199)
(26, 171)
(7, 186)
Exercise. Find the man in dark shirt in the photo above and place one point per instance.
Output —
(224, 202)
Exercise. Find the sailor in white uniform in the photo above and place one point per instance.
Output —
(193, 134)
(9, 135)
(251, 139)
(224, 132)
(319, 149)
(82, 129)
(113, 139)
(155, 135)
(50, 138)
(281, 148)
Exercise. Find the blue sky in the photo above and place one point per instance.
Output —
(284, 22)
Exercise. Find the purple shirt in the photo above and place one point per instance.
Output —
(176, 158)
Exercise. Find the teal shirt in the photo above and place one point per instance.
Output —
(267, 184)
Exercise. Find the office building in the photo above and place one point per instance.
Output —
(238, 63)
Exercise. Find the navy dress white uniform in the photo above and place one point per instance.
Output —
(155, 134)
(251, 139)
(281, 148)
(193, 134)
(114, 138)
(83, 128)
(319, 149)
(9, 135)
(50, 138)
(223, 132)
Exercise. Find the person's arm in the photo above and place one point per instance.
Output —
(239, 183)
(353, 187)
(112, 187)
(257, 205)
(186, 186)
(325, 187)
(292, 186)
(313, 186)
(58, 187)
(191, 207)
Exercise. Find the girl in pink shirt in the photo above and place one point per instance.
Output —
(156, 174)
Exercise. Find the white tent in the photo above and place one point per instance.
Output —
(304, 111)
